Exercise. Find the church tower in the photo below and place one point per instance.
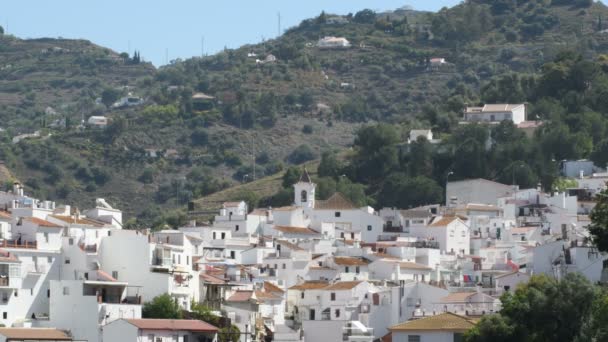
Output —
(304, 191)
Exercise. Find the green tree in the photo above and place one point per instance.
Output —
(600, 153)
(291, 176)
(301, 154)
(599, 222)
(377, 153)
(162, 306)
(329, 165)
(366, 16)
(420, 158)
(109, 96)
(544, 309)
(398, 190)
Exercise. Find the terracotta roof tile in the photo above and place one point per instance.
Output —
(42, 223)
(75, 220)
(38, 334)
(342, 285)
(457, 297)
(443, 221)
(413, 266)
(240, 296)
(310, 285)
(270, 287)
(443, 322)
(263, 296)
(173, 324)
(350, 261)
(337, 201)
(295, 230)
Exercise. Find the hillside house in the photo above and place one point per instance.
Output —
(97, 122)
(202, 101)
(494, 113)
(331, 42)
(415, 133)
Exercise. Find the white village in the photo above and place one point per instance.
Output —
(318, 270)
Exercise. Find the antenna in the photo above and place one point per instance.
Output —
(279, 24)
(202, 46)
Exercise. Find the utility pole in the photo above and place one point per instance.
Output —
(253, 154)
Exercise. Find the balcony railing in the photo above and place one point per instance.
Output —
(18, 244)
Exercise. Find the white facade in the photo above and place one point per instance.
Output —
(496, 113)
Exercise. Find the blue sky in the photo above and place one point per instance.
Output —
(154, 27)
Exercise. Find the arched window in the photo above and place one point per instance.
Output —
(304, 196)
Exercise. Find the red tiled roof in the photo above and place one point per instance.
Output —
(350, 261)
(37, 334)
(264, 296)
(208, 278)
(270, 287)
(310, 285)
(240, 296)
(342, 285)
(337, 201)
(443, 221)
(101, 275)
(76, 220)
(173, 324)
(5, 215)
(42, 223)
(295, 230)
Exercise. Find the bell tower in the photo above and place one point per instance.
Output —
(304, 191)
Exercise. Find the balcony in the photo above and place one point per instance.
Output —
(18, 244)
(395, 229)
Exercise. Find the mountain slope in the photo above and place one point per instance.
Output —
(173, 149)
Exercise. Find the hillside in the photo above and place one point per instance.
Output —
(175, 147)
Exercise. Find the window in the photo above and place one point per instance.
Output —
(48, 293)
(346, 269)
(187, 260)
(357, 269)
(302, 295)
(70, 241)
(66, 291)
(115, 275)
(109, 233)
(213, 235)
(284, 266)
(5, 315)
(413, 338)
(333, 296)
(369, 228)
(232, 255)
(179, 258)
(185, 338)
(46, 237)
(67, 261)
(304, 196)
(223, 236)
(159, 339)
(175, 338)
(236, 228)
(352, 236)
(463, 233)
(49, 259)
(337, 214)
(16, 293)
(151, 338)
(173, 257)
(337, 313)
(96, 234)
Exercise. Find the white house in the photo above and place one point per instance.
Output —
(159, 330)
(415, 133)
(331, 42)
(493, 113)
(446, 327)
(97, 121)
(451, 232)
(33, 334)
(480, 191)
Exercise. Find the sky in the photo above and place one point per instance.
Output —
(164, 30)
